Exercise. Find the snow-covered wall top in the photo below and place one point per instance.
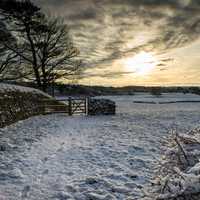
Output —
(13, 88)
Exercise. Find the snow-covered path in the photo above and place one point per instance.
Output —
(78, 158)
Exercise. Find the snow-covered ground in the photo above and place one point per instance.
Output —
(88, 158)
(165, 98)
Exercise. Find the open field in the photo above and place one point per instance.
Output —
(88, 158)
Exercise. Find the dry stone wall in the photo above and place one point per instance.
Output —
(101, 107)
(17, 105)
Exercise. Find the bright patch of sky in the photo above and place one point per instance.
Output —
(113, 34)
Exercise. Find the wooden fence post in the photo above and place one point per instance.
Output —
(86, 105)
(70, 106)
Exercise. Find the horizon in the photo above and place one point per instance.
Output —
(100, 85)
(134, 42)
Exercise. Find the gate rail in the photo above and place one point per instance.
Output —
(72, 106)
(78, 105)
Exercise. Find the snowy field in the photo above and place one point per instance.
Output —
(90, 158)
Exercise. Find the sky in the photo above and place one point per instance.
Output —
(134, 42)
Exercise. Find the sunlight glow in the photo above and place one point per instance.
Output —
(141, 64)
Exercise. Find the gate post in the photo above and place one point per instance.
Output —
(70, 106)
(86, 105)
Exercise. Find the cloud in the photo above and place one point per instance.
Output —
(108, 30)
(105, 74)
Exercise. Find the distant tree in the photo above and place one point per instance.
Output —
(156, 92)
(195, 90)
(43, 44)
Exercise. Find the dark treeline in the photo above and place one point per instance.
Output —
(70, 89)
(63, 89)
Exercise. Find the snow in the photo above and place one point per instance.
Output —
(89, 158)
(179, 170)
(166, 98)
(13, 88)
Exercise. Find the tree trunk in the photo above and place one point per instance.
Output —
(35, 67)
(44, 87)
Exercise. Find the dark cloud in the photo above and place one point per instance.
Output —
(86, 15)
(171, 3)
(108, 30)
(104, 74)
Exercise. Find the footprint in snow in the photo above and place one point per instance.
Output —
(63, 195)
(132, 176)
(91, 180)
(25, 192)
(45, 171)
(136, 150)
(95, 196)
(137, 163)
(60, 149)
(45, 159)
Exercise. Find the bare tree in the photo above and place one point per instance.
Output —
(57, 57)
(21, 18)
(43, 45)
(7, 57)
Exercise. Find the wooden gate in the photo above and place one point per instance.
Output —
(78, 106)
(70, 105)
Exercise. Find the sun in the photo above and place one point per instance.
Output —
(141, 64)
